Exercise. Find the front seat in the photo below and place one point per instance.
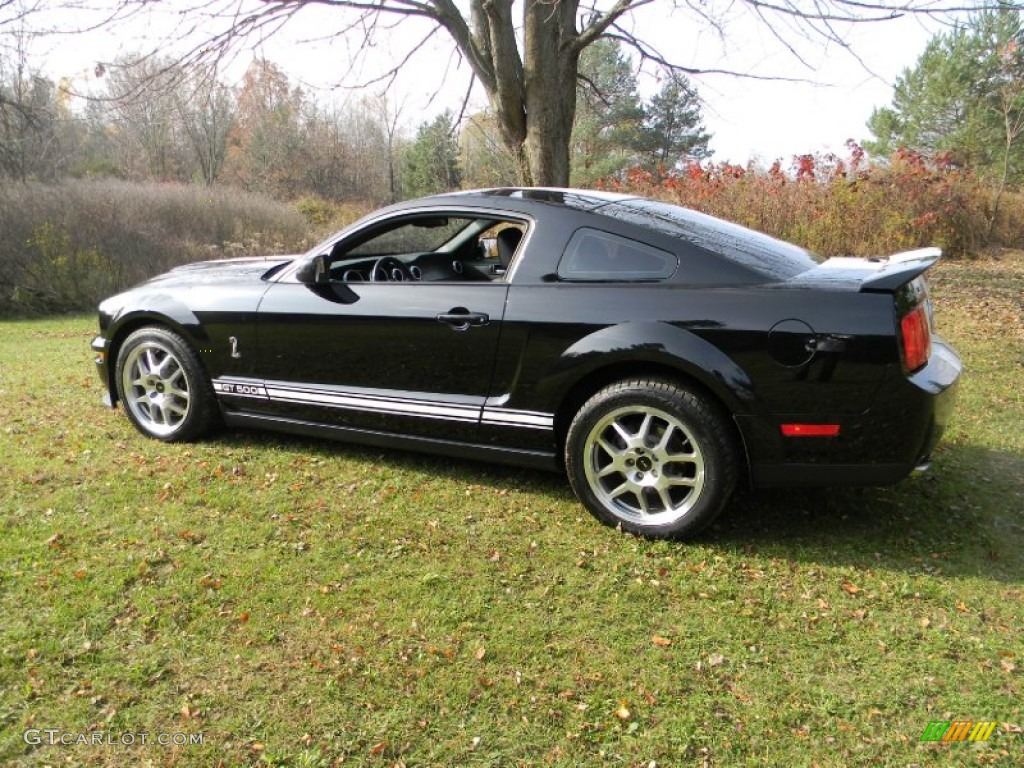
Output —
(508, 241)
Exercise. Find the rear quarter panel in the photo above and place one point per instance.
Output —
(555, 335)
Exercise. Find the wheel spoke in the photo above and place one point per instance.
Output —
(623, 434)
(642, 498)
(619, 490)
(645, 428)
(151, 364)
(175, 407)
(168, 360)
(666, 499)
(181, 394)
(612, 451)
(665, 437)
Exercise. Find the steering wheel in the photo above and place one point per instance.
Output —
(388, 268)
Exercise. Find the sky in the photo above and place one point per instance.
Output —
(748, 118)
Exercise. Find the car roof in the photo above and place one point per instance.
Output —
(749, 249)
(579, 199)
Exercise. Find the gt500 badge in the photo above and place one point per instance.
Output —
(239, 388)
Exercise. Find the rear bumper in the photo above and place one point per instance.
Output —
(892, 439)
(939, 380)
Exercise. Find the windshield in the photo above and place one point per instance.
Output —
(418, 235)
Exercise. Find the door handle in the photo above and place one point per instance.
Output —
(461, 319)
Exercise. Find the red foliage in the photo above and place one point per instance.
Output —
(832, 204)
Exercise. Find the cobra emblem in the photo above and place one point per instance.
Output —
(234, 347)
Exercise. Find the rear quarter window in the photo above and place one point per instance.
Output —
(595, 255)
(750, 250)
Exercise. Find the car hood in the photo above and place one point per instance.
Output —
(221, 270)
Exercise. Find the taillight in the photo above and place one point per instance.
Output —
(916, 337)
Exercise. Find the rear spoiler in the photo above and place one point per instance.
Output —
(900, 268)
(880, 274)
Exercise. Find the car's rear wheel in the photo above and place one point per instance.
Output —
(164, 388)
(652, 457)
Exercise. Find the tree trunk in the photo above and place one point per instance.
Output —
(550, 83)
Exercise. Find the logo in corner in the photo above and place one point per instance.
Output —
(958, 730)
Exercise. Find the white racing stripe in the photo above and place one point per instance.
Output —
(401, 406)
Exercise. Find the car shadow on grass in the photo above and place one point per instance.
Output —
(963, 517)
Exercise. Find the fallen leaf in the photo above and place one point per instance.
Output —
(209, 582)
(623, 712)
(480, 653)
(851, 589)
(715, 660)
(662, 642)
(379, 747)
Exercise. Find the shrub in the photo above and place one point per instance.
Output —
(845, 206)
(64, 247)
(325, 216)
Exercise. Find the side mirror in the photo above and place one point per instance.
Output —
(315, 272)
(321, 270)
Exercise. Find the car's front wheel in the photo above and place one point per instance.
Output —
(652, 457)
(164, 388)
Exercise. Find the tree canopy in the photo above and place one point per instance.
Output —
(525, 53)
(432, 160)
(615, 129)
(964, 98)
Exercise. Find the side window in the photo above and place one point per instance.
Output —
(596, 255)
(427, 247)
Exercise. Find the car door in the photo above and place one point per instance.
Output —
(413, 357)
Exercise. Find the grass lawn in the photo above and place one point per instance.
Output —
(308, 603)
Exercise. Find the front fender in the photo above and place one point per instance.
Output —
(120, 322)
(651, 343)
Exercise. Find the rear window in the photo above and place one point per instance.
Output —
(595, 255)
(764, 255)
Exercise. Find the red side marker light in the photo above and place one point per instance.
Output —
(810, 430)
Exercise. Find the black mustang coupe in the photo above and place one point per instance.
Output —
(656, 355)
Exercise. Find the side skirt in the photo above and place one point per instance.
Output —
(473, 451)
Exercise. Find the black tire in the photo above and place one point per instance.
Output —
(652, 457)
(163, 387)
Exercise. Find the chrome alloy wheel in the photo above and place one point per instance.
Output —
(644, 465)
(156, 388)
